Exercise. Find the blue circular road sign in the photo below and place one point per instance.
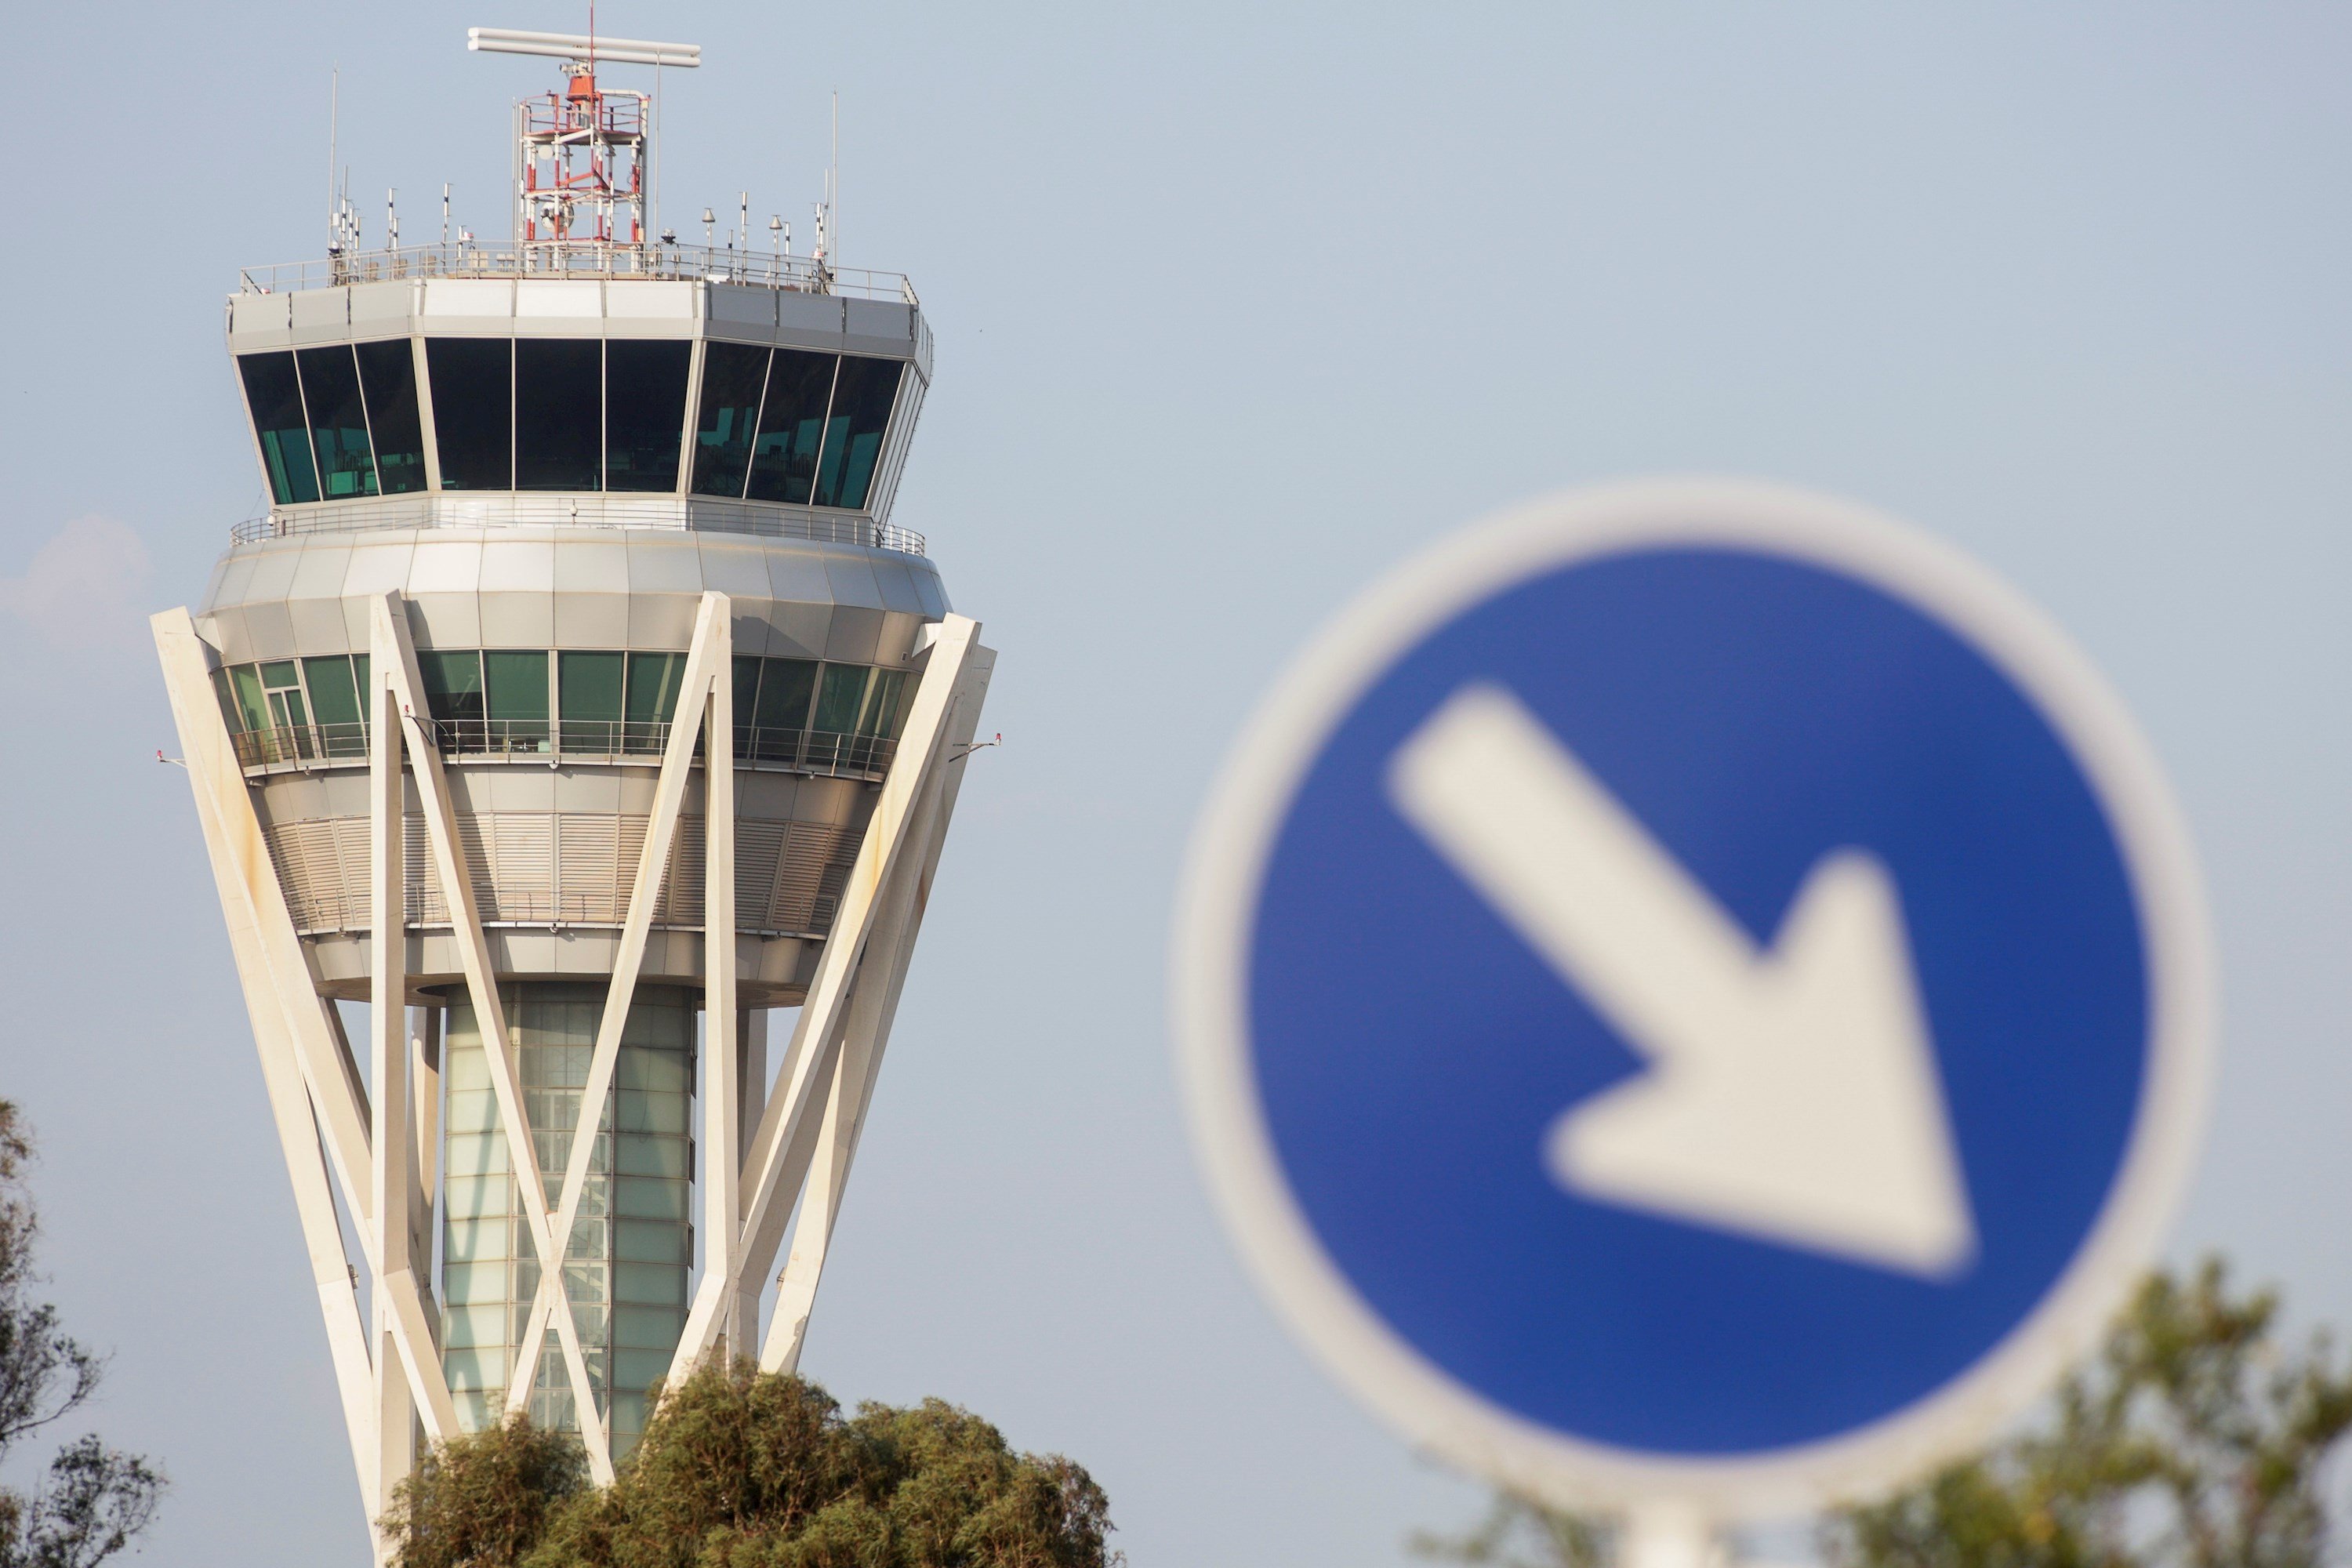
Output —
(1694, 992)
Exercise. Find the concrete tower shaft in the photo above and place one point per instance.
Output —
(550, 533)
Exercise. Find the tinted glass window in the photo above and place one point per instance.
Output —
(852, 434)
(792, 427)
(645, 414)
(388, 377)
(841, 697)
(275, 399)
(249, 703)
(732, 374)
(747, 690)
(784, 688)
(591, 687)
(333, 697)
(882, 704)
(227, 700)
(559, 414)
(653, 681)
(472, 411)
(453, 681)
(516, 683)
(339, 435)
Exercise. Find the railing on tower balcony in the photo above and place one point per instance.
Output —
(473, 508)
(579, 258)
(571, 739)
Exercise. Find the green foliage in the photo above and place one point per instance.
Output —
(484, 1499)
(94, 1501)
(2193, 1439)
(742, 1469)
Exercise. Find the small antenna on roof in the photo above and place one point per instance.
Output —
(335, 106)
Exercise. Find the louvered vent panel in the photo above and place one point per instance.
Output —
(681, 890)
(759, 850)
(588, 868)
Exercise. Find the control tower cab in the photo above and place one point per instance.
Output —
(575, 703)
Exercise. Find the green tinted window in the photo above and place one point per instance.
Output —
(591, 685)
(841, 697)
(279, 674)
(333, 697)
(746, 688)
(653, 680)
(339, 434)
(645, 414)
(517, 682)
(732, 374)
(853, 434)
(472, 411)
(275, 399)
(784, 688)
(792, 427)
(251, 706)
(388, 378)
(882, 704)
(227, 700)
(453, 683)
(559, 414)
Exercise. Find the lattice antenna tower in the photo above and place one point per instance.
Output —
(582, 152)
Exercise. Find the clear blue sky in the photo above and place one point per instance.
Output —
(1236, 306)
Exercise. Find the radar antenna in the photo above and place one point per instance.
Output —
(580, 153)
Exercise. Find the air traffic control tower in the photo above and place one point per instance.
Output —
(556, 525)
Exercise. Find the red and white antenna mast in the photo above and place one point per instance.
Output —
(582, 153)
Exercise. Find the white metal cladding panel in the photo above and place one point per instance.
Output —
(571, 868)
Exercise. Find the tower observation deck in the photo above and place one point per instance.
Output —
(555, 524)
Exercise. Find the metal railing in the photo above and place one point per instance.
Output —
(501, 509)
(579, 258)
(572, 740)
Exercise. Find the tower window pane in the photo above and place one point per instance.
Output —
(250, 703)
(515, 684)
(472, 411)
(591, 686)
(335, 704)
(732, 374)
(331, 391)
(388, 377)
(275, 400)
(792, 427)
(645, 414)
(453, 684)
(882, 704)
(842, 695)
(654, 682)
(853, 434)
(227, 700)
(559, 414)
(784, 689)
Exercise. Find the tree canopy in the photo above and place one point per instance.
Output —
(744, 1470)
(2195, 1438)
(94, 1501)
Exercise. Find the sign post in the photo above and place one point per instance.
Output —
(1693, 1000)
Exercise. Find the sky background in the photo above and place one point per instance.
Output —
(1237, 307)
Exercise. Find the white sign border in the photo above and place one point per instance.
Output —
(1210, 976)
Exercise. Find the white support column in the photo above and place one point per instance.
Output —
(237, 862)
(786, 1126)
(707, 658)
(882, 976)
(721, 1087)
(391, 1132)
(395, 653)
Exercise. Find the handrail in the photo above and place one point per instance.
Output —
(579, 258)
(824, 752)
(500, 510)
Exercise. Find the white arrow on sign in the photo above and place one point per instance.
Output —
(1792, 1092)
